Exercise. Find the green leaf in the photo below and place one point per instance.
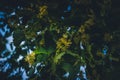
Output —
(58, 57)
(42, 50)
(67, 67)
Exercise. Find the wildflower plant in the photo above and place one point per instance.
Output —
(30, 58)
(79, 43)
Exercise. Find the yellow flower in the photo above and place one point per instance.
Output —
(30, 58)
(82, 29)
(89, 22)
(63, 44)
(65, 36)
(86, 25)
(42, 11)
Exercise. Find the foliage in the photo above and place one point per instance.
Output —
(30, 58)
(68, 34)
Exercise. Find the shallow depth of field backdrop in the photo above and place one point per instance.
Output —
(59, 40)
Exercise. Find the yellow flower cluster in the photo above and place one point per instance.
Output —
(87, 24)
(63, 43)
(30, 58)
(42, 11)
